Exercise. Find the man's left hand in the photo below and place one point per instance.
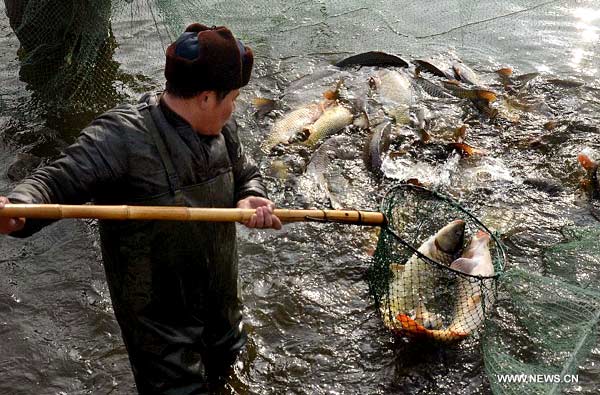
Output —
(264, 217)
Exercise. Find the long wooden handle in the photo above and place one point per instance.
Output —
(58, 211)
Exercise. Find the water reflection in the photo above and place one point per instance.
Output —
(587, 27)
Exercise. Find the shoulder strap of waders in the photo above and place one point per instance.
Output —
(154, 120)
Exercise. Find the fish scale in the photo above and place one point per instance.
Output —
(333, 119)
(292, 124)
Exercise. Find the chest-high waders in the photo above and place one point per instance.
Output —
(174, 285)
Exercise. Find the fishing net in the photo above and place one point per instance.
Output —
(419, 291)
(547, 328)
(548, 323)
(66, 51)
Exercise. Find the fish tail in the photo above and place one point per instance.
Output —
(505, 72)
(263, 105)
(410, 325)
(484, 94)
(413, 328)
(587, 162)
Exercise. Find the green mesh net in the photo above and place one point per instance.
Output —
(546, 324)
(416, 280)
(66, 51)
(554, 325)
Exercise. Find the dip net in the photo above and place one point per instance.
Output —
(86, 56)
(419, 290)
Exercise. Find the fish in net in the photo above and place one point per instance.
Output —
(436, 267)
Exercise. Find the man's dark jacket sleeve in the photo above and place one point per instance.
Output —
(248, 181)
(97, 158)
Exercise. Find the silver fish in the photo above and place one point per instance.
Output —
(395, 93)
(292, 124)
(331, 121)
(468, 313)
(414, 281)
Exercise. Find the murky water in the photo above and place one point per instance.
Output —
(312, 323)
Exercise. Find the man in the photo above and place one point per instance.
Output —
(173, 285)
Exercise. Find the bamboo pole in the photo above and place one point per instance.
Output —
(59, 211)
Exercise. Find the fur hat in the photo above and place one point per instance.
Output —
(207, 58)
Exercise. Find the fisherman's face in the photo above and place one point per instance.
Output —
(219, 111)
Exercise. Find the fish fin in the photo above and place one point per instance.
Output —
(414, 181)
(464, 265)
(331, 95)
(467, 149)
(482, 233)
(263, 105)
(412, 328)
(457, 72)
(423, 135)
(505, 72)
(334, 94)
(587, 162)
(485, 94)
(551, 125)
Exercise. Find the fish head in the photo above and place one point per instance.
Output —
(464, 265)
(450, 238)
(480, 240)
(476, 258)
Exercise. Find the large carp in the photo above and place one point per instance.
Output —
(293, 123)
(331, 121)
(413, 283)
(395, 93)
(469, 311)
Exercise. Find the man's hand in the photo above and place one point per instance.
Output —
(7, 224)
(263, 218)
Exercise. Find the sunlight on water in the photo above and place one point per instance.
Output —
(587, 25)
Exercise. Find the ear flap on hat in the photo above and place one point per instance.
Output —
(247, 63)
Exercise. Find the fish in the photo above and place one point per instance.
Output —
(377, 143)
(567, 84)
(431, 88)
(395, 93)
(513, 83)
(466, 74)
(411, 283)
(331, 121)
(437, 67)
(292, 124)
(372, 58)
(420, 122)
(593, 181)
(530, 104)
(465, 93)
(484, 107)
(334, 147)
(468, 314)
(466, 149)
